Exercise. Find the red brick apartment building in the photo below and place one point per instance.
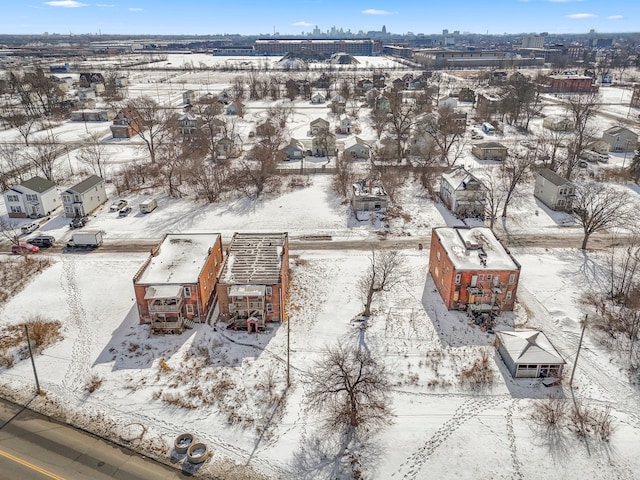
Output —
(253, 286)
(176, 285)
(472, 270)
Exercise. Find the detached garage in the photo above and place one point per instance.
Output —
(529, 354)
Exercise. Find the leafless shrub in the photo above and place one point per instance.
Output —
(550, 412)
(480, 373)
(94, 383)
(177, 400)
(163, 366)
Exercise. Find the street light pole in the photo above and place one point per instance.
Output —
(33, 363)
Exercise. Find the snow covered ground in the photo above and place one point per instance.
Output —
(441, 428)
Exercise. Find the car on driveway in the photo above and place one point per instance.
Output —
(124, 212)
(24, 248)
(29, 227)
(79, 222)
(118, 205)
(43, 241)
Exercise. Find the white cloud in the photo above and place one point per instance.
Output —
(373, 11)
(615, 17)
(134, 9)
(302, 24)
(65, 4)
(578, 16)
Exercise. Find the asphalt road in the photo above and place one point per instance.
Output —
(34, 448)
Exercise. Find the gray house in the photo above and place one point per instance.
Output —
(368, 197)
(462, 193)
(490, 151)
(553, 190)
(355, 147)
(84, 197)
(318, 125)
(293, 151)
(529, 354)
(620, 139)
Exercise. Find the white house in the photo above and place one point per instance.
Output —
(36, 197)
(84, 197)
(345, 124)
(462, 193)
(553, 190)
(620, 139)
(529, 354)
(355, 147)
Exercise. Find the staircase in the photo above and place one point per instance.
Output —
(188, 323)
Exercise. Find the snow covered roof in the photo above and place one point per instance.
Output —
(254, 258)
(460, 178)
(474, 249)
(320, 121)
(617, 130)
(353, 141)
(163, 291)
(529, 347)
(179, 259)
(489, 145)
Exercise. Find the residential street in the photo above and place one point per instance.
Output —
(34, 448)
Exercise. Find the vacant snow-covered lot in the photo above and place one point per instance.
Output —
(229, 388)
(441, 427)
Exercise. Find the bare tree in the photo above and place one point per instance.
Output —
(551, 144)
(386, 270)
(43, 157)
(10, 230)
(344, 176)
(379, 121)
(151, 122)
(581, 108)
(351, 390)
(92, 153)
(634, 167)
(209, 180)
(401, 120)
(445, 133)
(494, 201)
(514, 171)
(597, 207)
(624, 268)
(12, 166)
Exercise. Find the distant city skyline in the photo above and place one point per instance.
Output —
(255, 17)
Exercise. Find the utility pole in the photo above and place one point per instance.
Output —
(288, 350)
(33, 363)
(575, 362)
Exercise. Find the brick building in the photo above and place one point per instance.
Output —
(472, 270)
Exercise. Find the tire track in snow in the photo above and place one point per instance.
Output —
(79, 368)
(465, 412)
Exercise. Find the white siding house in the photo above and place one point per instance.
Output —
(84, 197)
(36, 197)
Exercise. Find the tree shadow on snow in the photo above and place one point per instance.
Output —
(337, 457)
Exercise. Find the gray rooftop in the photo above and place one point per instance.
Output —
(552, 177)
(86, 184)
(38, 184)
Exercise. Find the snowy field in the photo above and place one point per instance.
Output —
(441, 428)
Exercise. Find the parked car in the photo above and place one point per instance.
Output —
(477, 137)
(118, 205)
(42, 241)
(124, 212)
(24, 248)
(79, 222)
(29, 227)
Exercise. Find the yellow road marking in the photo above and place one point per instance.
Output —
(31, 466)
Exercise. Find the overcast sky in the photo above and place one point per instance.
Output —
(294, 17)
